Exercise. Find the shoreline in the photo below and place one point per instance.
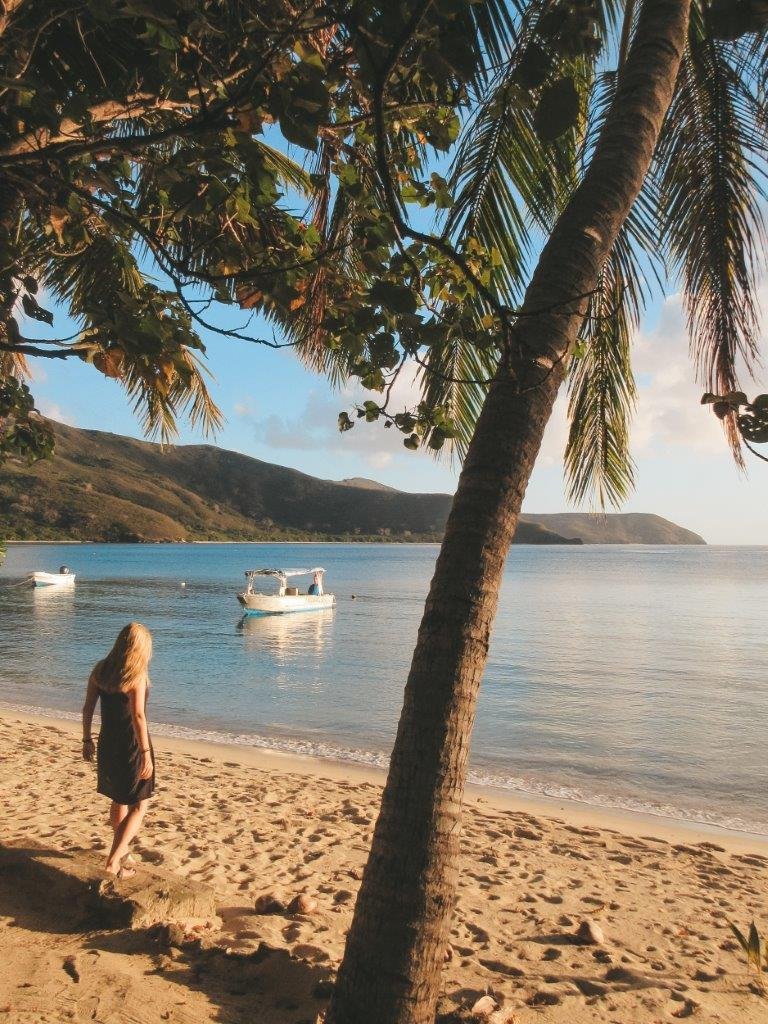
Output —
(556, 809)
(383, 543)
(278, 543)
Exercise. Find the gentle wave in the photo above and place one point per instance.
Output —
(323, 750)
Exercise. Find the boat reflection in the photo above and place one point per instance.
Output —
(50, 599)
(297, 633)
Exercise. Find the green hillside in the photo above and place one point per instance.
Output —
(104, 487)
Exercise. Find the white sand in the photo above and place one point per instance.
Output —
(250, 823)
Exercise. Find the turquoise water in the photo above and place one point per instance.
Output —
(633, 677)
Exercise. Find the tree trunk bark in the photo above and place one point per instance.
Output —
(396, 945)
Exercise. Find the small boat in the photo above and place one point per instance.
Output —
(63, 578)
(287, 599)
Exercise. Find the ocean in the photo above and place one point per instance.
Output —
(628, 677)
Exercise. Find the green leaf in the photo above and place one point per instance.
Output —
(298, 132)
(35, 311)
(557, 110)
(533, 67)
(395, 298)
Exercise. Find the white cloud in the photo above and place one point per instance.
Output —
(669, 419)
(669, 412)
(555, 436)
(380, 460)
(314, 426)
(55, 412)
(37, 373)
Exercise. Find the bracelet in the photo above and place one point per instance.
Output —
(87, 739)
(147, 750)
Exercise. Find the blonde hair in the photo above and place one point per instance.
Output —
(126, 664)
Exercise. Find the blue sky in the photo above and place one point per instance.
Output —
(278, 411)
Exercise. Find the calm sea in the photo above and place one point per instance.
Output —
(632, 677)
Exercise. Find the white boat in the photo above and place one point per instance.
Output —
(63, 578)
(287, 599)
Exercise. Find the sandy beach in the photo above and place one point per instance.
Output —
(657, 895)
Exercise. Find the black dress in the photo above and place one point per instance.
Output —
(119, 756)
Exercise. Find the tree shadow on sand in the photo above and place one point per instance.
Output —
(266, 985)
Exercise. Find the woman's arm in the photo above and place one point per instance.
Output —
(138, 699)
(91, 697)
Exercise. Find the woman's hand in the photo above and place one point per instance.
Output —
(147, 767)
(89, 750)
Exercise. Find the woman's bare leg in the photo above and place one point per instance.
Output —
(117, 813)
(125, 833)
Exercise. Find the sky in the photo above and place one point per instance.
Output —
(278, 411)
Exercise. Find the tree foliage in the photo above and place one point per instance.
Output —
(159, 160)
(141, 185)
(698, 221)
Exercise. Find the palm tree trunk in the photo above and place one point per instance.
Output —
(396, 945)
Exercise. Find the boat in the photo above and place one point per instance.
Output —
(63, 578)
(287, 599)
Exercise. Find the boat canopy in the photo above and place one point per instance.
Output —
(283, 573)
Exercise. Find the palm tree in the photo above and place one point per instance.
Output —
(666, 157)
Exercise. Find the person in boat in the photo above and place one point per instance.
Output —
(316, 586)
(125, 758)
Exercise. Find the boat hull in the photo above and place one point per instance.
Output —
(53, 579)
(274, 604)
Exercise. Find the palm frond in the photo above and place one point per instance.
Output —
(503, 178)
(14, 364)
(93, 282)
(452, 375)
(507, 185)
(497, 169)
(711, 179)
(160, 394)
(334, 217)
(602, 387)
(495, 28)
(287, 171)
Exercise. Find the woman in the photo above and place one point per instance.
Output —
(126, 764)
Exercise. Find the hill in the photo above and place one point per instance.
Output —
(364, 482)
(618, 528)
(104, 487)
